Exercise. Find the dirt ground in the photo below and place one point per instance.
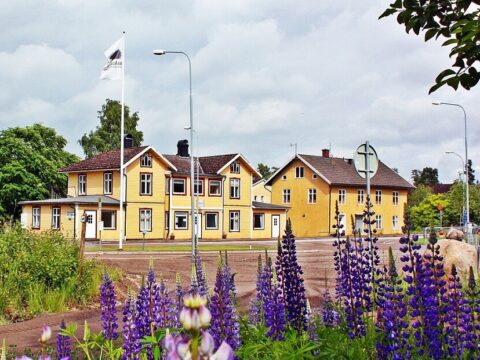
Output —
(315, 257)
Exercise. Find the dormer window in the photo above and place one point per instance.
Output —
(235, 167)
(146, 160)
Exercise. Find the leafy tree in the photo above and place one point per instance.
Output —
(455, 21)
(30, 158)
(426, 213)
(419, 195)
(428, 176)
(265, 170)
(456, 198)
(471, 172)
(107, 135)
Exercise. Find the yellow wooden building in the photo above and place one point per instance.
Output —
(157, 199)
(260, 192)
(311, 185)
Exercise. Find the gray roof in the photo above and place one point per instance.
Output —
(87, 199)
(262, 205)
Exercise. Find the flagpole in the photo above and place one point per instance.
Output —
(122, 130)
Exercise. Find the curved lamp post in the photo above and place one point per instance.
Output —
(465, 182)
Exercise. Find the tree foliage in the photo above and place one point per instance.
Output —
(458, 22)
(106, 136)
(471, 172)
(418, 195)
(456, 196)
(265, 170)
(30, 158)
(427, 213)
(428, 176)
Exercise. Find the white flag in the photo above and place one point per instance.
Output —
(115, 57)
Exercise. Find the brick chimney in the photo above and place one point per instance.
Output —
(326, 153)
(182, 148)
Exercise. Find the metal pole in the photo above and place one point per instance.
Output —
(367, 169)
(465, 186)
(122, 130)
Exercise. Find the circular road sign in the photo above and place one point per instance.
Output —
(360, 160)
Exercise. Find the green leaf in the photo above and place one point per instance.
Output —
(450, 42)
(436, 86)
(430, 33)
(387, 12)
(453, 82)
(443, 74)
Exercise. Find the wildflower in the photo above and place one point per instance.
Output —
(162, 308)
(46, 334)
(195, 315)
(63, 344)
(177, 301)
(131, 345)
(273, 303)
(255, 310)
(329, 316)
(108, 307)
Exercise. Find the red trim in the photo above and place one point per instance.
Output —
(230, 188)
(184, 186)
(175, 223)
(78, 182)
(230, 219)
(140, 219)
(151, 160)
(239, 167)
(111, 173)
(59, 216)
(39, 217)
(262, 228)
(115, 216)
(203, 187)
(151, 184)
(220, 187)
(211, 212)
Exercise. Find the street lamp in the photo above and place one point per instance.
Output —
(192, 221)
(467, 201)
(465, 184)
(197, 181)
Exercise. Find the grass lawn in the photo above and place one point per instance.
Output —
(183, 248)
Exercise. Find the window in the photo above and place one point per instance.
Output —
(259, 221)
(145, 184)
(299, 171)
(109, 219)
(234, 188)
(261, 198)
(286, 196)
(234, 221)
(314, 176)
(181, 220)
(145, 220)
(378, 197)
(167, 220)
(235, 167)
(284, 177)
(395, 222)
(107, 183)
(179, 186)
(82, 184)
(395, 197)
(342, 196)
(378, 221)
(36, 218)
(146, 161)
(198, 187)
(211, 221)
(255, 198)
(215, 188)
(360, 196)
(56, 218)
(312, 196)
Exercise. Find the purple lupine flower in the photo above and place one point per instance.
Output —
(338, 243)
(312, 321)
(273, 304)
(131, 344)
(229, 278)
(472, 327)
(108, 307)
(329, 316)
(200, 275)
(177, 303)
(224, 325)
(291, 282)
(64, 344)
(145, 317)
(392, 324)
(256, 305)
(164, 317)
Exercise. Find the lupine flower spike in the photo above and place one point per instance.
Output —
(108, 307)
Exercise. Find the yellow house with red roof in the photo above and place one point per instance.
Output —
(157, 200)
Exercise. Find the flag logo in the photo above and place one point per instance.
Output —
(114, 64)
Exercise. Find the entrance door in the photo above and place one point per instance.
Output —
(198, 224)
(359, 224)
(275, 226)
(91, 224)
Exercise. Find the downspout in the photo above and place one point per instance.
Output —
(170, 199)
(223, 204)
(329, 210)
(125, 206)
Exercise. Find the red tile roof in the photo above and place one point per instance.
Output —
(209, 165)
(108, 160)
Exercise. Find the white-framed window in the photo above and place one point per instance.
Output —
(198, 187)
(109, 219)
(146, 160)
(234, 188)
(258, 221)
(82, 184)
(145, 184)
(286, 196)
(312, 196)
(35, 218)
(145, 220)
(284, 177)
(211, 220)
(395, 197)
(299, 172)
(107, 183)
(395, 222)
(215, 188)
(342, 196)
(234, 221)
(378, 197)
(56, 218)
(235, 167)
(179, 186)
(360, 196)
(181, 220)
(378, 221)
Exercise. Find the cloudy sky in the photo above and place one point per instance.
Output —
(266, 74)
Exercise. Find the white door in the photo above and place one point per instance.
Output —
(91, 228)
(275, 226)
(198, 224)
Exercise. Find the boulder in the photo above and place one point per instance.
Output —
(461, 254)
(455, 234)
